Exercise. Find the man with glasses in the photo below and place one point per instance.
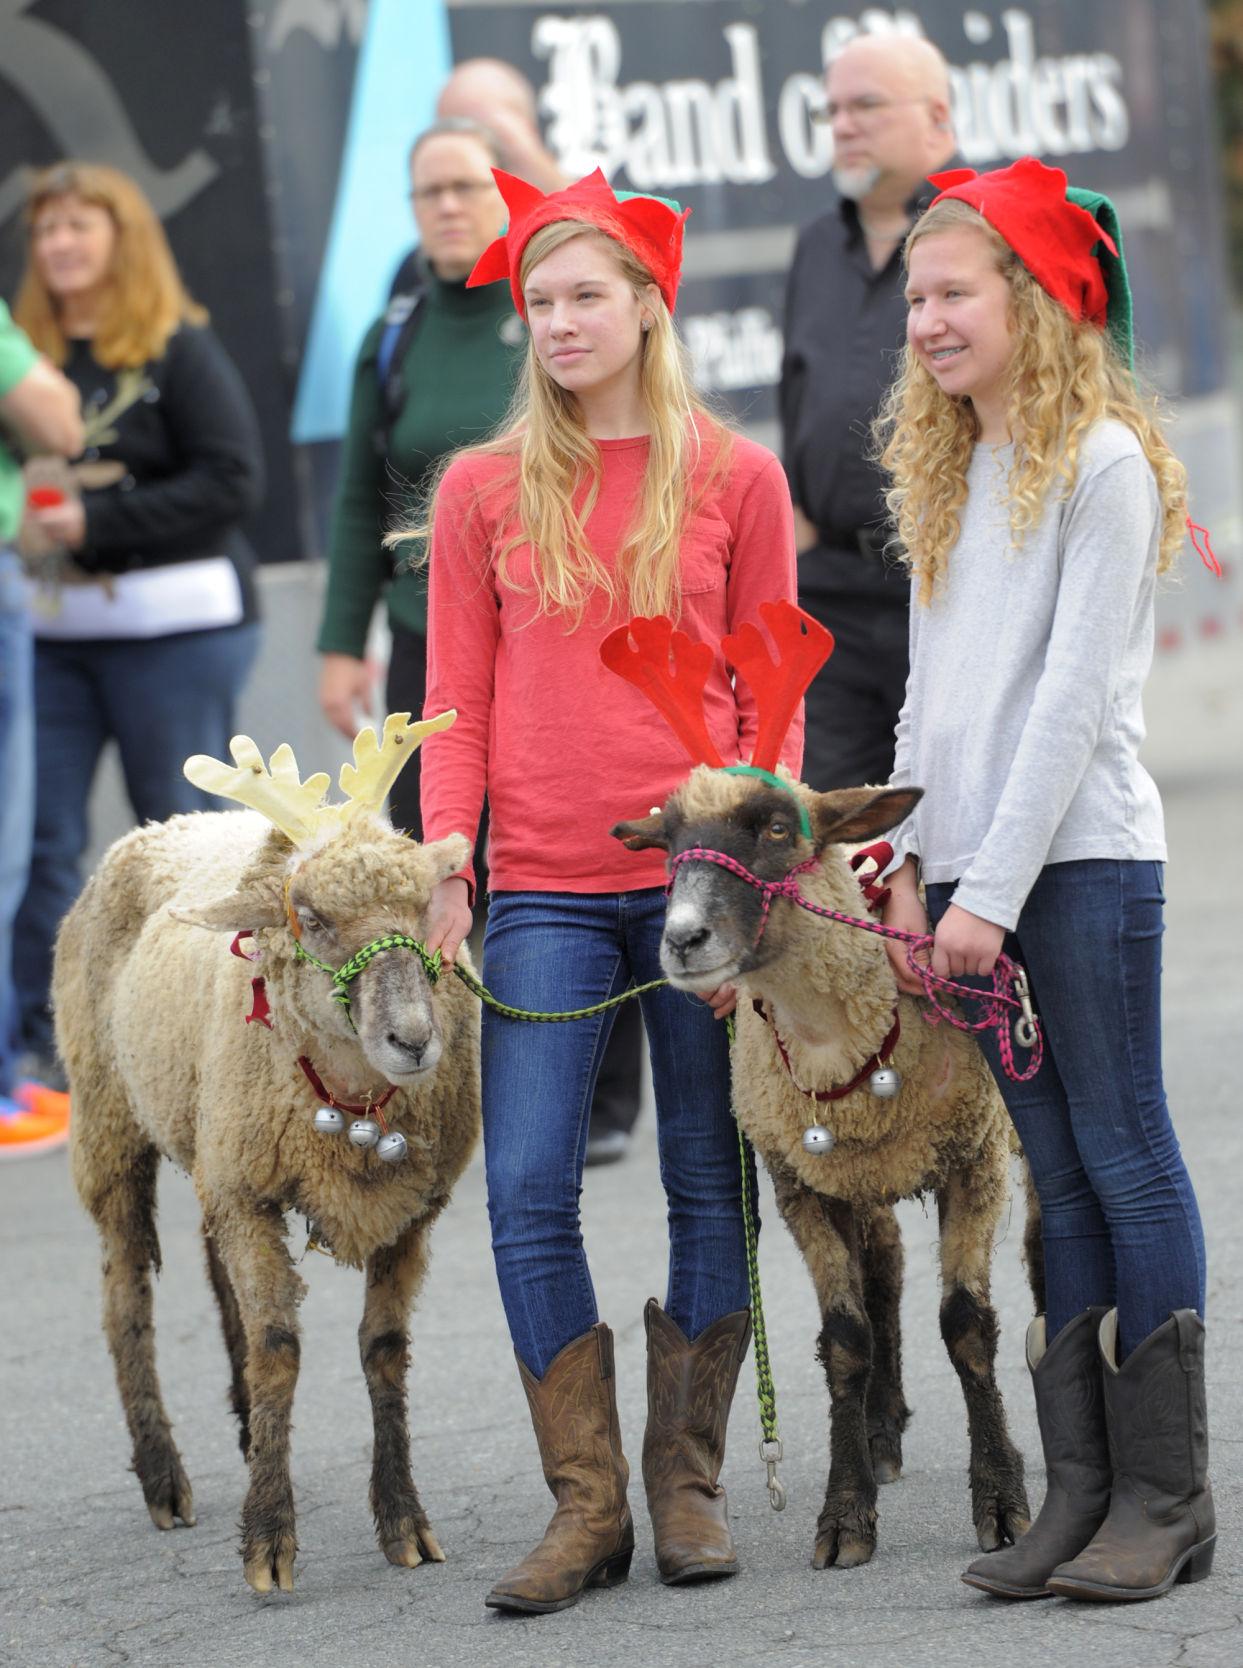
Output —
(888, 105)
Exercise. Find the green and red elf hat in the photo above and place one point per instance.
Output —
(650, 227)
(1069, 239)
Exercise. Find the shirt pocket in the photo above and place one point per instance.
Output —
(705, 555)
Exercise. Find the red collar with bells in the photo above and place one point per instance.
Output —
(861, 1076)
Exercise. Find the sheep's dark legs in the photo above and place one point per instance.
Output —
(1033, 1243)
(393, 1276)
(251, 1243)
(234, 1338)
(119, 1192)
(887, 1412)
(969, 1207)
(826, 1232)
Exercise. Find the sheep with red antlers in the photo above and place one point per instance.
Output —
(177, 1049)
(851, 1100)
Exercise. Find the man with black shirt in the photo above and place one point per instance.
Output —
(889, 109)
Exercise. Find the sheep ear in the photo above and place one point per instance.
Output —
(255, 904)
(447, 856)
(848, 815)
(643, 834)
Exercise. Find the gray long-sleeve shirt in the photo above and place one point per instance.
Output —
(1022, 719)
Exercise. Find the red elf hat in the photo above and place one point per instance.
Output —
(650, 227)
(1055, 239)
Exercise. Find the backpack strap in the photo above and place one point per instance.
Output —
(402, 318)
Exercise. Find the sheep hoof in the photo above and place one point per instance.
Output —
(842, 1548)
(886, 1469)
(170, 1498)
(271, 1563)
(404, 1553)
(1002, 1525)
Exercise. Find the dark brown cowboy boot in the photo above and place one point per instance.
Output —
(1160, 1528)
(589, 1540)
(1070, 1408)
(689, 1390)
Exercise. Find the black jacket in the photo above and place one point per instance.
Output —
(845, 325)
(192, 455)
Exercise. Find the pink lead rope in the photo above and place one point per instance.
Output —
(1006, 973)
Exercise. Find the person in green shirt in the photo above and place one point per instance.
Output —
(39, 412)
(447, 382)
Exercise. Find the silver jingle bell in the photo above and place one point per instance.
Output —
(391, 1147)
(328, 1121)
(885, 1082)
(817, 1139)
(364, 1132)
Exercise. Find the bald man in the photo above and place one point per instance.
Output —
(888, 104)
(494, 93)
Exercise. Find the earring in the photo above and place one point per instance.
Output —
(646, 326)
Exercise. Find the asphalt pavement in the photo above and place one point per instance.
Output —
(87, 1581)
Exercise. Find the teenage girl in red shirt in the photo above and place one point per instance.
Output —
(609, 492)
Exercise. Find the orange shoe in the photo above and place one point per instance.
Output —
(24, 1133)
(37, 1097)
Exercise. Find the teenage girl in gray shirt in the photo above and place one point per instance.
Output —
(1037, 502)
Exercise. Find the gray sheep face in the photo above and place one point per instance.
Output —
(715, 931)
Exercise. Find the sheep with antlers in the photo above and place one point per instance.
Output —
(850, 1099)
(150, 1023)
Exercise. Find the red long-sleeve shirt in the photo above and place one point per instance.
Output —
(564, 747)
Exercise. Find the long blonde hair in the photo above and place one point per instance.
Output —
(1064, 376)
(554, 457)
(144, 299)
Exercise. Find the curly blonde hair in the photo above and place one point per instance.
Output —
(1064, 376)
(144, 300)
(553, 458)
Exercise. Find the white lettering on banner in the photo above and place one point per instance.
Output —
(685, 132)
(734, 350)
(691, 131)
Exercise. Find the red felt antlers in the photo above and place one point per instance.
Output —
(803, 646)
(672, 670)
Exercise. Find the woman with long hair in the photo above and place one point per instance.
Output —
(610, 491)
(1037, 502)
(150, 629)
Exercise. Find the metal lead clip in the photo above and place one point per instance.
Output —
(770, 1453)
(1025, 1032)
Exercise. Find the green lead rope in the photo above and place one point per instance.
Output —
(343, 977)
(494, 1002)
(770, 1442)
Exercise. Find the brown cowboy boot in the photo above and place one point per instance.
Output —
(1161, 1527)
(1070, 1408)
(689, 1389)
(589, 1540)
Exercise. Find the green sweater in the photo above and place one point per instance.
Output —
(458, 373)
(16, 359)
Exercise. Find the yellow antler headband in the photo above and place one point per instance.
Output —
(296, 807)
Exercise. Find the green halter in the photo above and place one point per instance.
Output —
(343, 977)
(804, 821)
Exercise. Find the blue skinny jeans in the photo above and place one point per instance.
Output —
(17, 800)
(160, 699)
(1120, 1219)
(554, 951)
